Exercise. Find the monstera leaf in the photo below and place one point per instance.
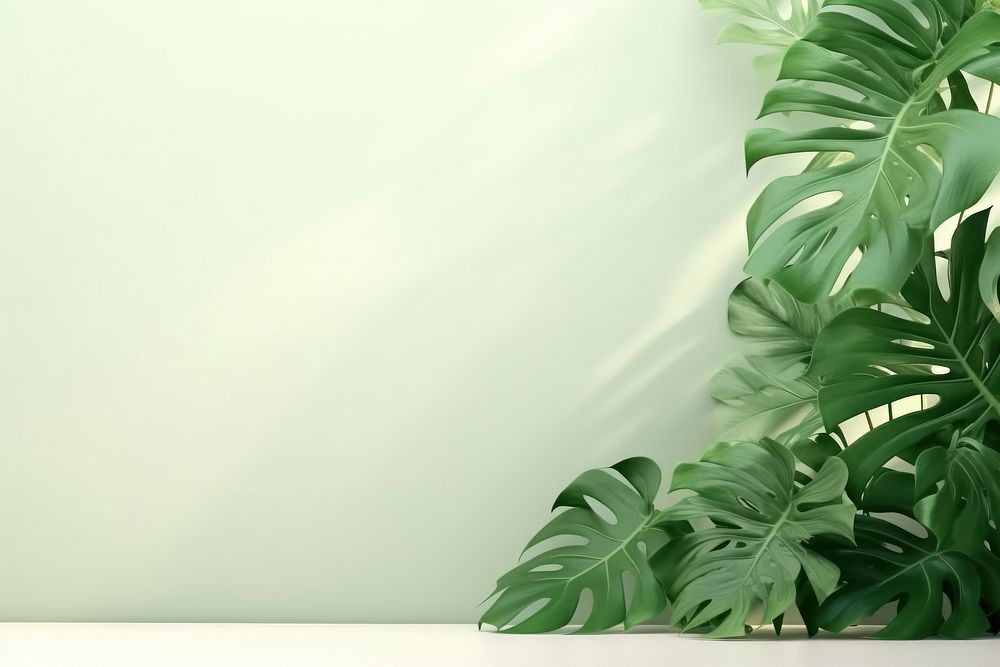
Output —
(911, 165)
(768, 393)
(959, 487)
(948, 360)
(757, 404)
(766, 23)
(609, 549)
(988, 66)
(777, 330)
(755, 548)
(989, 274)
(890, 564)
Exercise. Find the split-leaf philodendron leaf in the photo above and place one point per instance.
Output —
(890, 564)
(755, 549)
(945, 360)
(904, 170)
(768, 393)
(769, 23)
(959, 491)
(605, 549)
(989, 274)
(777, 330)
(755, 404)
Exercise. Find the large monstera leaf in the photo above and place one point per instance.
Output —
(755, 404)
(948, 360)
(755, 548)
(906, 164)
(989, 274)
(988, 66)
(890, 564)
(959, 491)
(777, 330)
(610, 548)
(766, 23)
(768, 392)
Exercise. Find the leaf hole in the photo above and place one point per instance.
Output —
(601, 510)
(584, 607)
(547, 567)
(628, 587)
(526, 613)
(554, 542)
(895, 548)
(916, 344)
(849, 266)
(747, 504)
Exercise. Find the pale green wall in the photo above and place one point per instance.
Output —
(311, 308)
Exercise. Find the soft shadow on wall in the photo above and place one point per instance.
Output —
(407, 274)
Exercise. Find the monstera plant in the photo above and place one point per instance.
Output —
(859, 467)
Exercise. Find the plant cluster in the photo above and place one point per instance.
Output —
(860, 467)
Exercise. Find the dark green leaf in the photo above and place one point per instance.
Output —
(560, 574)
(959, 491)
(890, 564)
(947, 358)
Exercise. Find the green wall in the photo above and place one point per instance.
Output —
(311, 308)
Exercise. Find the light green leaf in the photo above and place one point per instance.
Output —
(757, 404)
(907, 171)
(770, 23)
(777, 330)
(755, 548)
(560, 574)
(890, 564)
(949, 358)
(768, 394)
(959, 492)
(989, 274)
(986, 67)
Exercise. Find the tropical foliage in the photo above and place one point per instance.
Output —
(858, 467)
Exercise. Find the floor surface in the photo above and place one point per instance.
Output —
(225, 645)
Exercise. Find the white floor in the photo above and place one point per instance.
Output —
(223, 645)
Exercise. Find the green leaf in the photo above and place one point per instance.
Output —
(778, 330)
(560, 574)
(757, 404)
(768, 394)
(989, 274)
(890, 564)
(986, 67)
(959, 492)
(949, 358)
(907, 171)
(766, 23)
(755, 547)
